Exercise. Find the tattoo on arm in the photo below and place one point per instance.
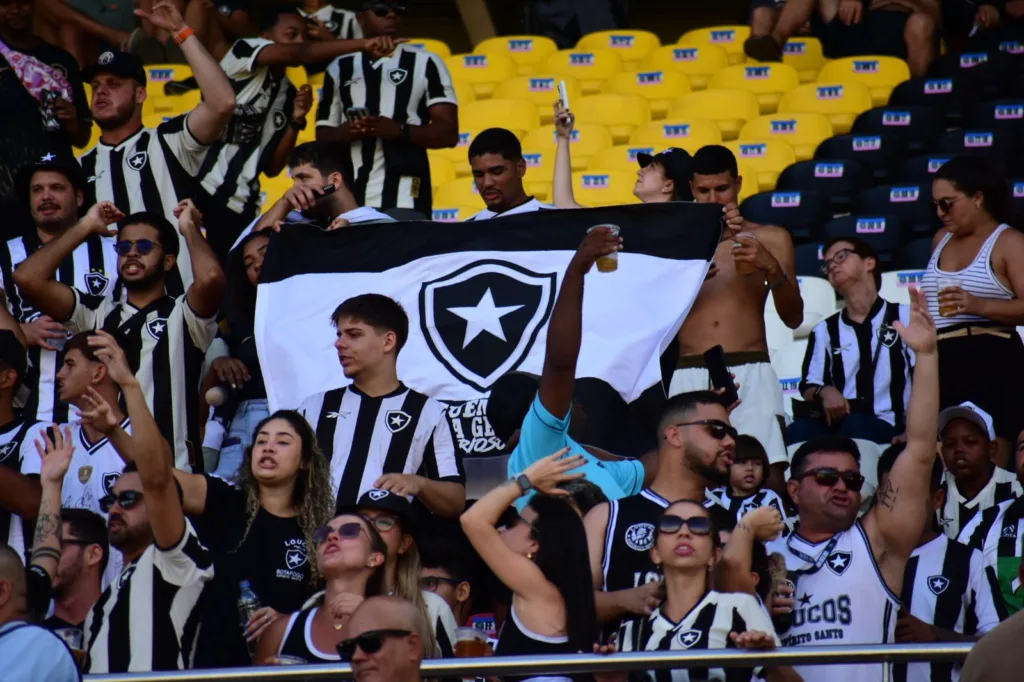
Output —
(887, 495)
(40, 553)
(46, 525)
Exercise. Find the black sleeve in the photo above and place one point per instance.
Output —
(38, 586)
(222, 524)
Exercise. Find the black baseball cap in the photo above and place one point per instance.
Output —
(385, 500)
(678, 165)
(121, 64)
(12, 353)
(60, 162)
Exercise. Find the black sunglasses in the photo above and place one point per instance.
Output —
(432, 582)
(370, 642)
(829, 476)
(698, 525)
(142, 246)
(381, 9)
(127, 500)
(345, 531)
(945, 204)
(716, 427)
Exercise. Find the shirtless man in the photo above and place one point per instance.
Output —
(729, 311)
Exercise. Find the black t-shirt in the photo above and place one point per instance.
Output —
(273, 559)
(55, 623)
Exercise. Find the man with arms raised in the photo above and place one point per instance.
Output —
(752, 262)
(498, 169)
(848, 572)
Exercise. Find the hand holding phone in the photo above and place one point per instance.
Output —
(563, 94)
(356, 113)
(721, 377)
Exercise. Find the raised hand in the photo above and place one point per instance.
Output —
(163, 15)
(111, 355)
(56, 454)
(598, 242)
(189, 217)
(100, 216)
(382, 46)
(919, 335)
(97, 412)
(564, 121)
(547, 473)
(765, 523)
(303, 103)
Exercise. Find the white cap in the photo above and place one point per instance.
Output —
(970, 412)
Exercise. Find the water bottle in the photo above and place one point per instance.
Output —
(248, 604)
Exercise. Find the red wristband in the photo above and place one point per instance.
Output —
(183, 35)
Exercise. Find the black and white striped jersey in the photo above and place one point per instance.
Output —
(341, 23)
(153, 170)
(165, 343)
(867, 360)
(263, 109)
(91, 267)
(998, 532)
(706, 626)
(148, 619)
(766, 497)
(626, 562)
(403, 432)
(402, 87)
(16, 445)
(958, 510)
(946, 584)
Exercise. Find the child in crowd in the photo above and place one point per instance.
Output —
(746, 477)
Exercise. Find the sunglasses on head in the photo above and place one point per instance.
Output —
(381, 9)
(829, 476)
(370, 642)
(717, 428)
(698, 525)
(142, 246)
(127, 500)
(345, 531)
(945, 204)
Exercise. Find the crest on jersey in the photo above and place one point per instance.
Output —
(838, 562)
(280, 120)
(157, 327)
(640, 536)
(331, 26)
(137, 161)
(687, 638)
(748, 505)
(295, 557)
(7, 448)
(109, 479)
(125, 576)
(377, 495)
(888, 336)
(396, 420)
(96, 283)
(397, 76)
(84, 474)
(938, 584)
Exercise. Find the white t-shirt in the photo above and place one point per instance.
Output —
(528, 207)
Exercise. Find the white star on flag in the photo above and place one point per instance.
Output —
(484, 317)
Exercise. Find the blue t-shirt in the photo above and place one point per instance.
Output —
(30, 652)
(544, 434)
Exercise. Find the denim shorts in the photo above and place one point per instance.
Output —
(240, 436)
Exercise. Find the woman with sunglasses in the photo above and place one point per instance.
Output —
(542, 558)
(350, 555)
(974, 284)
(693, 615)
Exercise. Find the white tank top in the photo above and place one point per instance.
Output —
(977, 279)
(841, 599)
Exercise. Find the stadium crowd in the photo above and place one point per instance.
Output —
(160, 515)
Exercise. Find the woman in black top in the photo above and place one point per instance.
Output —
(542, 558)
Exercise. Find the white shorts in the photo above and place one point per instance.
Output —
(761, 411)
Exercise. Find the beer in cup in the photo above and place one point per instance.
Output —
(609, 263)
(74, 639)
(743, 267)
(943, 283)
(470, 643)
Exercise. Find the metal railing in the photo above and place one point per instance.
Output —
(579, 663)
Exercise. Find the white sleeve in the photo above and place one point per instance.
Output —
(89, 311)
(329, 112)
(439, 83)
(755, 616)
(443, 459)
(240, 61)
(203, 330)
(813, 373)
(186, 563)
(984, 595)
(310, 408)
(188, 150)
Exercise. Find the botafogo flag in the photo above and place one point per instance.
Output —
(479, 297)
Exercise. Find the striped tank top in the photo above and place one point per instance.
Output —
(977, 279)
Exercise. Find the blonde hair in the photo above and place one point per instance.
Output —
(407, 586)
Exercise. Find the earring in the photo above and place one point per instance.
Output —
(529, 555)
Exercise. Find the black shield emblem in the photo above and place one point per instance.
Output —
(938, 584)
(397, 76)
(888, 336)
(7, 449)
(280, 120)
(688, 638)
(109, 479)
(396, 420)
(157, 327)
(481, 320)
(137, 161)
(97, 283)
(294, 558)
(838, 562)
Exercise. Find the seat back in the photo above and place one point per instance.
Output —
(483, 71)
(768, 158)
(910, 202)
(877, 152)
(528, 52)
(920, 169)
(689, 134)
(804, 132)
(840, 180)
(519, 116)
(659, 88)
(696, 62)
(587, 139)
(805, 54)
(459, 192)
(540, 90)
(880, 73)
(896, 284)
(768, 82)
(452, 214)
(729, 38)
(631, 45)
(590, 68)
(840, 102)
(729, 109)
(802, 213)
(438, 47)
(916, 125)
(604, 187)
(620, 114)
(882, 232)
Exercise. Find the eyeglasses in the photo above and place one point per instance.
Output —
(698, 525)
(72, 541)
(346, 531)
(127, 500)
(370, 642)
(717, 428)
(945, 204)
(431, 583)
(383, 523)
(142, 246)
(829, 476)
(838, 259)
(381, 9)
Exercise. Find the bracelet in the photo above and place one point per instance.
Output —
(183, 35)
(782, 280)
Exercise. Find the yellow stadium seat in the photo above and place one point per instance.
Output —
(690, 134)
(94, 138)
(880, 74)
(452, 214)
(749, 185)
(621, 114)
(438, 47)
(622, 157)
(442, 169)
(590, 68)
(541, 89)
(517, 115)
(804, 132)
(272, 189)
(316, 80)
(767, 81)
(88, 93)
(459, 154)
(482, 71)
(463, 91)
(539, 189)
(459, 192)
(729, 38)
(765, 158)
(805, 55)
(631, 45)
(696, 62)
(159, 74)
(528, 52)
(604, 187)
(730, 109)
(154, 120)
(540, 169)
(840, 102)
(297, 75)
(171, 105)
(659, 88)
(587, 140)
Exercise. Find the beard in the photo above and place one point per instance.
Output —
(66, 579)
(123, 114)
(696, 461)
(148, 280)
(55, 224)
(127, 537)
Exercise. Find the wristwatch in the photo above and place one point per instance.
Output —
(523, 481)
(298, 125)
(816, 396)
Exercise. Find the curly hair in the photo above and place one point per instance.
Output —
(313, 496)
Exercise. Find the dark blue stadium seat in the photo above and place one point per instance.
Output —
(987, 71)
(883, 232)
(801, 212)
(911, 203)
(999, 113)
(920, 169)
(948, 95)
(838, 180)
(807, 259)
(917, 126)
(997, 144)
(1017, 194)
(915, 254)
(878, 152)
